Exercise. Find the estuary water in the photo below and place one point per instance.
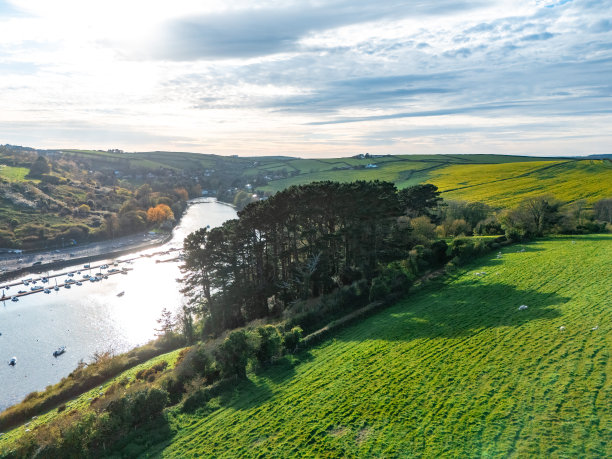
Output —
(92, 317)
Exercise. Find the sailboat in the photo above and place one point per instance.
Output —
(56, 288)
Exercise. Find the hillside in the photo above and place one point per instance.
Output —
(454, 369)
(499, 181)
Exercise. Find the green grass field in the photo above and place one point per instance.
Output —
(403, 170)
(13, 174)
(500, 181)
(454, 370)
(505, 184)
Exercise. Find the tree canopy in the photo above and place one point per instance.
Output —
(302, 242)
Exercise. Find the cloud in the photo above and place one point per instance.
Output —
(7, 10)
(264, 31)
(602, 26)
(373, 92)
(538, 36)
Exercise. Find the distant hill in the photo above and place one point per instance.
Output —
(497, 180)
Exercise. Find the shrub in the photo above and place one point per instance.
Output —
(233, 354)
(462, 250)
(379, 289)
(196, 400)
(148, 374)
(269, 345)
(292, 339)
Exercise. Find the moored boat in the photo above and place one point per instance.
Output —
(59, 351)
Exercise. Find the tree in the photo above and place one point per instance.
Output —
(532, 217)
(422, 229)
(84, 209)
(181, 193)
(233, 354)
(166, 323)
(160, 213)
(269, 344)
(603, 210)
(543, 212)
(577, 211)
(421, 200)
(39, 167)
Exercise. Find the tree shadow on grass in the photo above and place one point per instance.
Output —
(460, 310)
(245, 394)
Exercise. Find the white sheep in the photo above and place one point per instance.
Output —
(595, 328)
(562, 328)
(522, 307)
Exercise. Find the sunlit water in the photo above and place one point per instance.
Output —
(92, 318)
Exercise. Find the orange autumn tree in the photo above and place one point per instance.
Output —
(160, 213)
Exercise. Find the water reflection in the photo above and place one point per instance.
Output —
(92, 317)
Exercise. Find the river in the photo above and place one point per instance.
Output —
(92, 318)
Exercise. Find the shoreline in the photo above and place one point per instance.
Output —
(100, 252)
(14, 265)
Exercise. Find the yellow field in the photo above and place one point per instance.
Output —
(504, 185)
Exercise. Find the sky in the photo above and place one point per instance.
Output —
(308, 78)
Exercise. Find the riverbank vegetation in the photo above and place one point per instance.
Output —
(56, 200)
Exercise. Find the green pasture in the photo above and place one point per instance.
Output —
(13, 174)
(504, 185)
(454, 370)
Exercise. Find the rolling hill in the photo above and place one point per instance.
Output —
(455, 369)
(499, 181)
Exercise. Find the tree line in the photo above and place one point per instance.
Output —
(311, 240)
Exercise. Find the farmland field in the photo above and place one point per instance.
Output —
(403, 170)
(455, 369)
(500, 181)
(505, 184)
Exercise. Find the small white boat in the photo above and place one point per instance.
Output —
(59, 351)
(14, 298)
(120, 293)
(70, 274)
(13, 361)
(79, 283)
(66, 285)
(47, 290)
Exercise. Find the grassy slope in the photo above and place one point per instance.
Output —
(403, 170)
(503, 184)
(452, 370)
(14, 174)
(499, 181)
(83, 401)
